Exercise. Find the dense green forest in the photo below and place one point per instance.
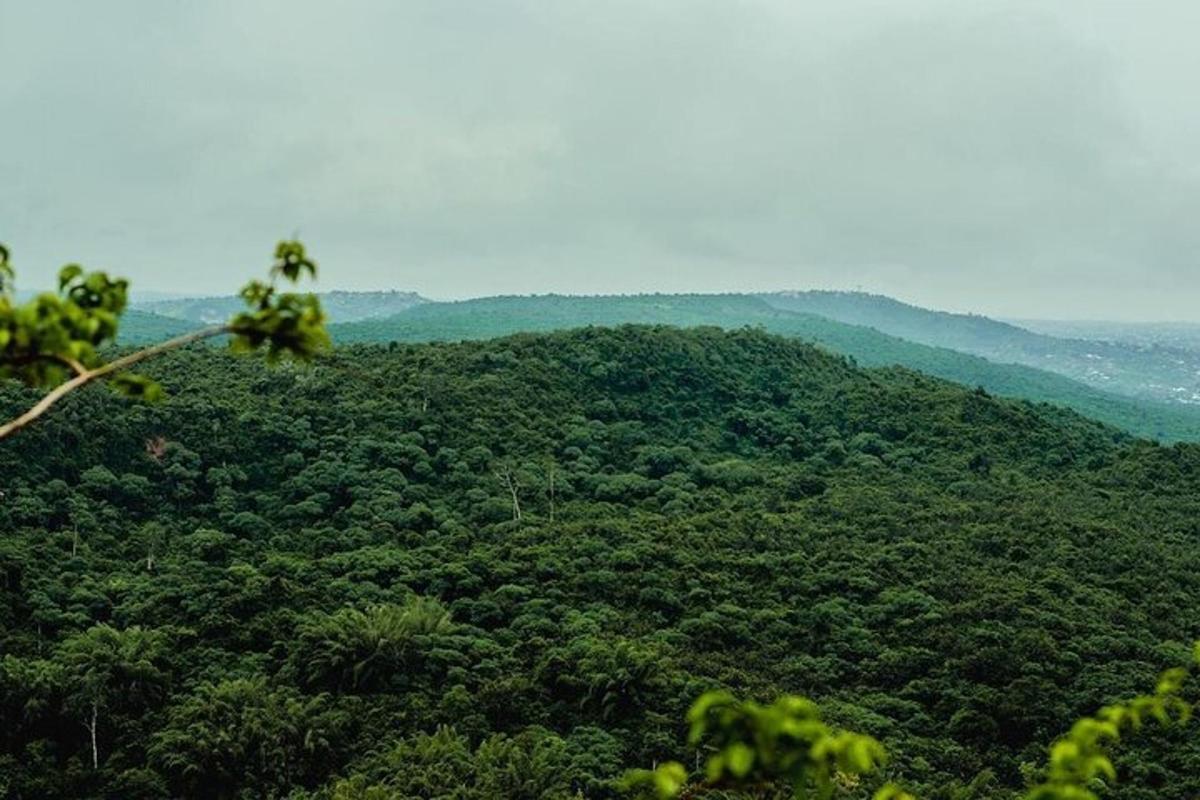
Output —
(498, 316)
(487, 317)
(505, 569)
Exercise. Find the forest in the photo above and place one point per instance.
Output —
(357, 317)
(507, 568)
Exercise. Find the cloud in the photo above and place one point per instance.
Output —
(993, 157)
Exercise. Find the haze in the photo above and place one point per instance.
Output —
(1004, 158)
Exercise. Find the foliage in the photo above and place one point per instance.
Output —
(857, 332)
(1080, 762)
(758, 746)
(864, 336)
(55, 340)
(319, 572)
(363, 650)
(43, 341)
(237, 733)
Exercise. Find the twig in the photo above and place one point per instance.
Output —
(86, 376)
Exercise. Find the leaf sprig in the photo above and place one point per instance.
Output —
(55, 340)
(1080, 764)
(757, 745)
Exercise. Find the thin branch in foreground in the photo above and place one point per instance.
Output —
(86, 376)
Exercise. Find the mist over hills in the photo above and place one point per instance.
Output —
(1176, 335)
(1153, 367)
(340, 305)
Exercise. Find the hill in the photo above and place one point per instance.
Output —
(1154, 370)
(341, 305)
(1173, 335)
(140, 327)
(496, 316)
(500, 570)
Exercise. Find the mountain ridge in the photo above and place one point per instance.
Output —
(1153, 371)
(488, 317)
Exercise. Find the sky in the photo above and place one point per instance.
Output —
(1019, 159)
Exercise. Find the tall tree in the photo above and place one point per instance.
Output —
(106, 667)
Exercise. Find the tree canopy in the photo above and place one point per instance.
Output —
(316, 582)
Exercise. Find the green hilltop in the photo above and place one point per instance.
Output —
(496, 316)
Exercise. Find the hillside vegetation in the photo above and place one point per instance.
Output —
(504, 569)
(497, 316)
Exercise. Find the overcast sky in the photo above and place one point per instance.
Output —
(1019, 159)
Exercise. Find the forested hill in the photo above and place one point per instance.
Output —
(342, 305)
(502, 570)
(496, 316)
(1157, 370)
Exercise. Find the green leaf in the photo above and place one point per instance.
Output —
(890, 791)
(67, 274)
(291, 261)
(740, 759)
(669, 779)
(6, 271)
(138, 386)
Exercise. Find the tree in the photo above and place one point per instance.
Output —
(55, 340)
(355, 651)
(243, 735)
(786, 744)
(106, 666)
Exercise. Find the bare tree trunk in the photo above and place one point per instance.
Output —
(92, 729)
(507, 477)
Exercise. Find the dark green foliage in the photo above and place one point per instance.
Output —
(315, 582)
(949, 356)
(223, 738)
(498, 316)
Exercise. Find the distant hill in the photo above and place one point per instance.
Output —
(143, 327)
(1155, 370)
(496, 316)
(345, 306)
(1174, 335)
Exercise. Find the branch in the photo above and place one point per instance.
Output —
(75, 366)
(86, 376)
